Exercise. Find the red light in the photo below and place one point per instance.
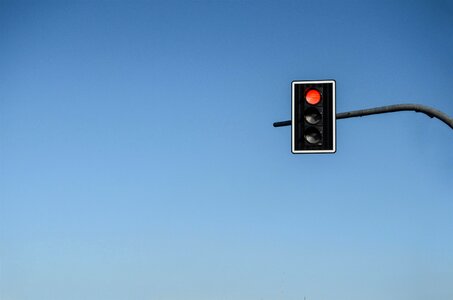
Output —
(313, 96)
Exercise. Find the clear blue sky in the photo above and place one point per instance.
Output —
(138, 158)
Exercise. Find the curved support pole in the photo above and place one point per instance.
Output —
(431, 112)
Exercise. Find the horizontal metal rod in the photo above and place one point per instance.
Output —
(431, 112)
(282, 123)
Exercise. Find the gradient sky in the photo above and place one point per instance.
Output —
(138, 158)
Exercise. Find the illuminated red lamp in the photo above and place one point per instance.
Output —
(313, 96)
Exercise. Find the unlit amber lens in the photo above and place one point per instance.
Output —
(312, 115)
(313, 97)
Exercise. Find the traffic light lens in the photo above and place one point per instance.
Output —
(312, 115)
(312, 135)
(313, 96)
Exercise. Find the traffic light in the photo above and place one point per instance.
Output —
(313, 116)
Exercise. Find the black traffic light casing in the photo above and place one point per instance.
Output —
(313, 116)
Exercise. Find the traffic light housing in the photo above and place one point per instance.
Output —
(313, 116)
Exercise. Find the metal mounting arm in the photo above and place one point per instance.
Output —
(431, 112)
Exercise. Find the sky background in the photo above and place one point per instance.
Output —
(138, 158)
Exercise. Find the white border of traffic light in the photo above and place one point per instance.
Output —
(333, 112)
